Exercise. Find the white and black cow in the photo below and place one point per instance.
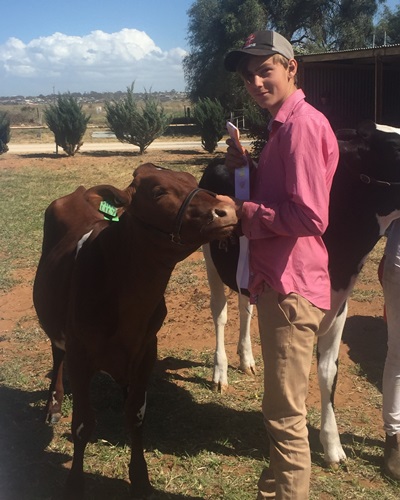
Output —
(365, 198)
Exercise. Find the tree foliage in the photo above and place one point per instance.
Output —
(5, 131)
(66, 119)
(342, 25)
(216, 26)
(388, 27)
(294, 19)
(210, 117)
(256, 119)
(137, 124)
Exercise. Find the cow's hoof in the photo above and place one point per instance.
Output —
(148, 496)
(146, 493)
(75, 487)
(220, 387)
(250, 371)
(333, 466)
(392, 457)
(53, 418)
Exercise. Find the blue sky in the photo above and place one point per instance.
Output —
(86, 45)
(92, 45)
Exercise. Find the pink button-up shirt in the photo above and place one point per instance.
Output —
(289, 209)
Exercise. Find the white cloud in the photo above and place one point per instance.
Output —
(98, 61)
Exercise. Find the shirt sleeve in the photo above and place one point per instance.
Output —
(304, 152)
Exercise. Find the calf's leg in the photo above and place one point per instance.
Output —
(83, 418)
(135, 408)
(56, 390)
(219, 311)
(328, 355)
(247, 363)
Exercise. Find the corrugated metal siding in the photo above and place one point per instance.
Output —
(391, 97)
(352, 92)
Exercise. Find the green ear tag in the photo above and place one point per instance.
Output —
(109, 211)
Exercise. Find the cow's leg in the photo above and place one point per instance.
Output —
(135, 409)
(219, 311)
(328, 356)
(83, 419)
(247, 363)
(56, 390)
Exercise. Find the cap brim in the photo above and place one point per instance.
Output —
(233, 58)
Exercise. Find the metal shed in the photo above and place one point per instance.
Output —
(353, 85)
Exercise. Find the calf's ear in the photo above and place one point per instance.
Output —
(110, 194)
(366, 129)
(346, 134)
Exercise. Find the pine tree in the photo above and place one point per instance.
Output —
(210, 117)
(5, 131)
(137, 124)
(68, 123)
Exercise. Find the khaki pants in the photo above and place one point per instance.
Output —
(287, 327)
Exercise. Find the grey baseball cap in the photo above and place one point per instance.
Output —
(260, 43)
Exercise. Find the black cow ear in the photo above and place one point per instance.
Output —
(346, 134)
(366, 129)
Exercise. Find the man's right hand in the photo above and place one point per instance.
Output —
(235, 158)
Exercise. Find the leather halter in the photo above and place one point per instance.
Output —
(175, 235)
(370, 180)
(366, 179)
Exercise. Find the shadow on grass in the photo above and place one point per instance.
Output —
(106, 154)
(176, 424)
(27, 471)
(366, 337)
(49, 156)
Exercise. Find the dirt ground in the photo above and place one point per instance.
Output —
(189, 321)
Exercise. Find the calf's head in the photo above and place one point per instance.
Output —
(171, 203)
(372, 153)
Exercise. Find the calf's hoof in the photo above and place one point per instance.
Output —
(392, 456)
(219, 387)
(143, 493)
(53, 418)
(250, 371)
(74, 488)
(333, 465)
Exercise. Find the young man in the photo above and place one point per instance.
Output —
(284, 221)
(391, 372)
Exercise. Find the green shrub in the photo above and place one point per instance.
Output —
(210, 117)
(5, 131)
(137, 124)
(68, 123)
(257, 125)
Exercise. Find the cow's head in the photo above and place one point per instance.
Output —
(171, 203)
(373, 151)
(372, 154)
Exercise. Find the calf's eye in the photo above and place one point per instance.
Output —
(158, 192)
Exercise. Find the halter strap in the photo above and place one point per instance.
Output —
(175, 235)
(370, 180)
